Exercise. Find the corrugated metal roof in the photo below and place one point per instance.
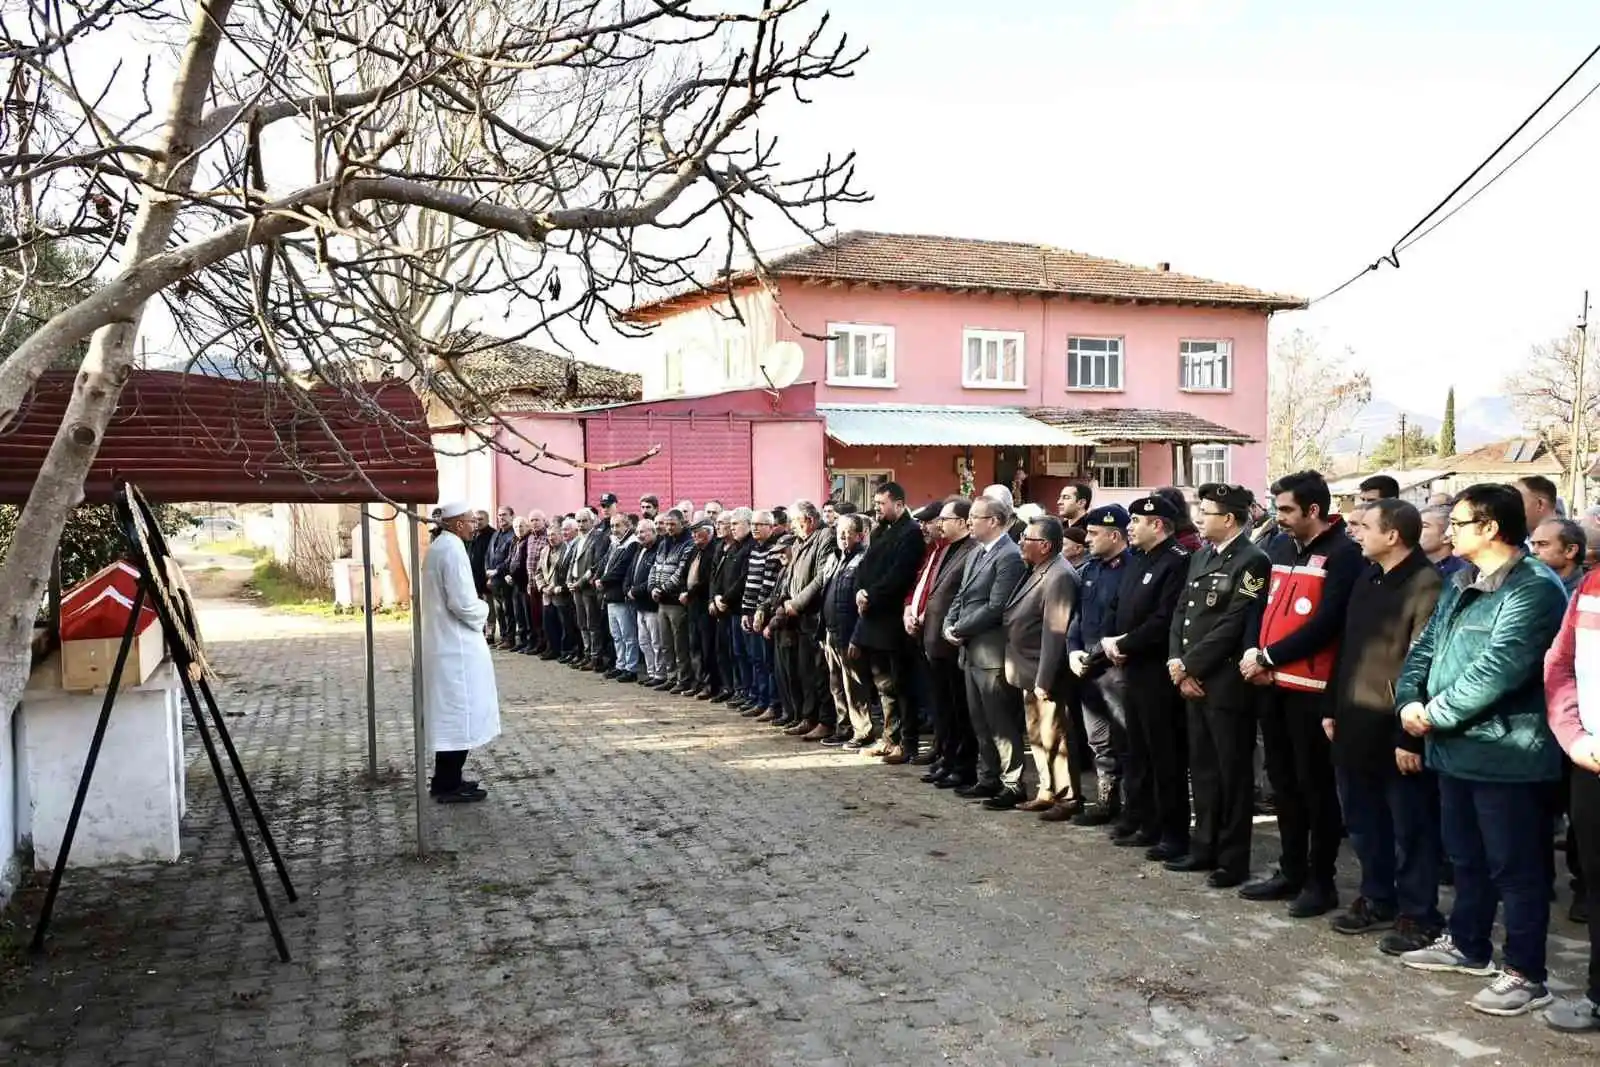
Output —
(930, 424)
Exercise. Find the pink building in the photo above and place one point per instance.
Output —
(1029, 365)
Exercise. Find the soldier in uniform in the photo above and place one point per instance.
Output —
(1141, 618)
(1226, 583)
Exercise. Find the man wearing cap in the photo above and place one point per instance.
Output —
(460, 703)
(1227, 583)
(1157, 784)
(1075, 546)
(1104, 690)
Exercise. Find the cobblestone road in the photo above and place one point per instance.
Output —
(654, 881)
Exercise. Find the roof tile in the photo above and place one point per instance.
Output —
(1139, 424)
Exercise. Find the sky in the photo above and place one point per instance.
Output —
(1277, 143)
(1282, 144)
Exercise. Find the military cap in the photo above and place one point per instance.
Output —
(928, 512)
(1108, 515)
(1155, 507)
(1234, 497)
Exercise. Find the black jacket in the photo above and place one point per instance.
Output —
(1222, 597)
(1142, 611)
(1386, 615)
(477, 556)
(618, 568)
(888, 571)
(839, 599)
(700, 589)
(727, 579)
(639, 577)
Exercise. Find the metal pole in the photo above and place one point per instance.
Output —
(55, 595)
(1579, 444)
(419, 740)
(372, 685)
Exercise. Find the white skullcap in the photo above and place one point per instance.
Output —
(452, 508)
(998, 492)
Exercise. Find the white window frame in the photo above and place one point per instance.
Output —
(1073, 355)
(736, 360)
(1127, 456)
(1224, 348)
(998, 338)
(672, 373)
(1217, 463)
(871, 477)
(840, 330)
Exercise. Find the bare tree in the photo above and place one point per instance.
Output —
(1312, 399)
(1544, 391)
(581, 155)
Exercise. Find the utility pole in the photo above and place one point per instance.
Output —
(1578, 437)
(1402, 440)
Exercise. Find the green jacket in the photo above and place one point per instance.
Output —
(1479, 669)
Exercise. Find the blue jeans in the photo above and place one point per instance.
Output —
(737, 656)
(1393, 820)
(1496, 834)
(763, 687)
(624, 620)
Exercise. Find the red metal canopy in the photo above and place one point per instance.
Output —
(189, 437)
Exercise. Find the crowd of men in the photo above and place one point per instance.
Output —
(1423, 681)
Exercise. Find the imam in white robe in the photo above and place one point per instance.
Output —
(460, 703)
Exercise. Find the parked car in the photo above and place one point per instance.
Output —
(214, 528)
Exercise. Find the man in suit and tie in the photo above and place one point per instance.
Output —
(956, 755)
(1037, 619)
(1227, 583)
(976, 625)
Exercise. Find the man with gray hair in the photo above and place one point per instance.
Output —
(667, 583)
(1002, 495)
(801, 606)
(589, 554)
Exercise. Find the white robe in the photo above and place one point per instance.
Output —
(460, 703)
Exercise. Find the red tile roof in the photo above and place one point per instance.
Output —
(957, 263)
(1139, 424)
(189, 437)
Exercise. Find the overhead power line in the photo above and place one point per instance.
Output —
(1422, 227)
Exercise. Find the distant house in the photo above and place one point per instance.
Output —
(939, 359)
(1499, 461)
(474, 376)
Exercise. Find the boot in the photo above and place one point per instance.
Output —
(1106, 807)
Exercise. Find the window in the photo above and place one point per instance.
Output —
(1208, 463)
(858, 486)
(1094, 363)
(860, 355)
(1116, 468)
(993, 359)
(1206, 365)
(674, 375)
(735, 361)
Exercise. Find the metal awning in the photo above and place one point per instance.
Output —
(942, 425)
(1406, 479)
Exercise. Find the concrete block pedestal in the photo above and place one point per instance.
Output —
(136, 800)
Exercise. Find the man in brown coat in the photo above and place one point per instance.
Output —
(1036, 622)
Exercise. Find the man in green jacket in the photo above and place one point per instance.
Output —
(1472, 686)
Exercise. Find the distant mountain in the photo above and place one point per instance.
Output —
(1477, 423)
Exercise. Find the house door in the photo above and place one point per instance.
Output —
(1007, 462)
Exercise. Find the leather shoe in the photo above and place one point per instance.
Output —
(704, 694)
(719, 698)
(804, 726)
(1165, 851)
(752, 711)
(1061, 811)
(1191, 864)
(1277, 887)
(876, 749)
(1036, 804)
(979, 790)
(768, 715)
(1313, 901)
(1220, 879)
(894, 755)
(1137, 839)
(818, 733)
(954, 781)
(934, 773)
(925, 759)
(1004, 800)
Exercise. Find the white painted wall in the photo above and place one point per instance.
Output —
(463, 474)
(708, 350)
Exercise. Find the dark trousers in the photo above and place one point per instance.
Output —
(1157, 786)
(785, 672)
(804, 675)
(703, 647)
(675, 635)
(502, 618)
(1393, 820)
(571, 635)
(955, 745)
(1585, 810)
(447, 771)
(536, 617)
(1222, 737)
(1496, 834)
(887, 669)
(1561, 796)
(1300, 765)
(522, 615)
(1105, 718)
(730, 655)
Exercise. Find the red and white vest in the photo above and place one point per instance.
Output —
(1293, 596)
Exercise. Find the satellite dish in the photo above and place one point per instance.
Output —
(782, 364)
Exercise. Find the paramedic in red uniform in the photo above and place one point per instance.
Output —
(1293, 658)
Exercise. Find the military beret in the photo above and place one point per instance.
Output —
(928, 512)
(1229, 496)
(1108, 515)
(1076, 534)
(1158, 507)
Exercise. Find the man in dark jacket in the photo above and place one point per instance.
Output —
(727, 577)
(1294, 643)
(800, 602)
(1157, 786)
(647, 613)
(761, 574)
(696, 597)
(956, 752)
(666, 586)
(888, 571)
(1104, 688)
(621, 616)
(1390, 800)
(853, 729)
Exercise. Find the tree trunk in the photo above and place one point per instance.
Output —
(26, 570)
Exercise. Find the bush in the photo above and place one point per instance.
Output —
(91, 538)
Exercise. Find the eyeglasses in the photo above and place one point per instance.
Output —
(1037, 540)
(1460, 524)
